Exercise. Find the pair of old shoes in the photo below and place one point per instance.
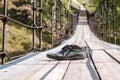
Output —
(70, 52)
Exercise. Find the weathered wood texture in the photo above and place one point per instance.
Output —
(103, 62)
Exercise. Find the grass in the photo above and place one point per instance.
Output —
(90, 5)
(16, 37)
(19, 39)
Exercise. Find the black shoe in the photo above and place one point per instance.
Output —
(69, 52)
(78, 53)
(61, 54)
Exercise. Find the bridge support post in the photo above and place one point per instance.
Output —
(61, 20)
(109, 24)
(3, 58)
(41, 24)
(52, 20)
(34, 24)
(3, 53)
(56, 21)
(103, 20)
(113, 21)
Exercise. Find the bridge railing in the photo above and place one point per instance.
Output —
(41, 23)
(105, 22)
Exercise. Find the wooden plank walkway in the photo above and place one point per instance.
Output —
(103, 62)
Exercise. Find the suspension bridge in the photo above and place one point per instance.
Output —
(103, 62)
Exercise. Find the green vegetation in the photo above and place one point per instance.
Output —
(16, 36)
(90, 5)
(94, 5)
(19, 38)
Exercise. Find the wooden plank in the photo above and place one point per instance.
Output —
(114, 53)
(106, 66)
(106, 44)
(20, 71)
(38, 67)
(43, 71)
(103, 56)
(95, 46)
(24, 69)
(81, 70)
(51, 71)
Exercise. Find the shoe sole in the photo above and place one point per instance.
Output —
(67, 58)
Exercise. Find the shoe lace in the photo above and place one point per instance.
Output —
(64, 49)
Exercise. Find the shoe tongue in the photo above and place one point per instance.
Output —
(65, 47)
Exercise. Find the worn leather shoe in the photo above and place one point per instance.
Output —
(77, 52)
(61, 54)
(69, 52)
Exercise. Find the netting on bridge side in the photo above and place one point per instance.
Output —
(105, 22)
(33, 25)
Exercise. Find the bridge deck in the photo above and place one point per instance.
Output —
(103, 62)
